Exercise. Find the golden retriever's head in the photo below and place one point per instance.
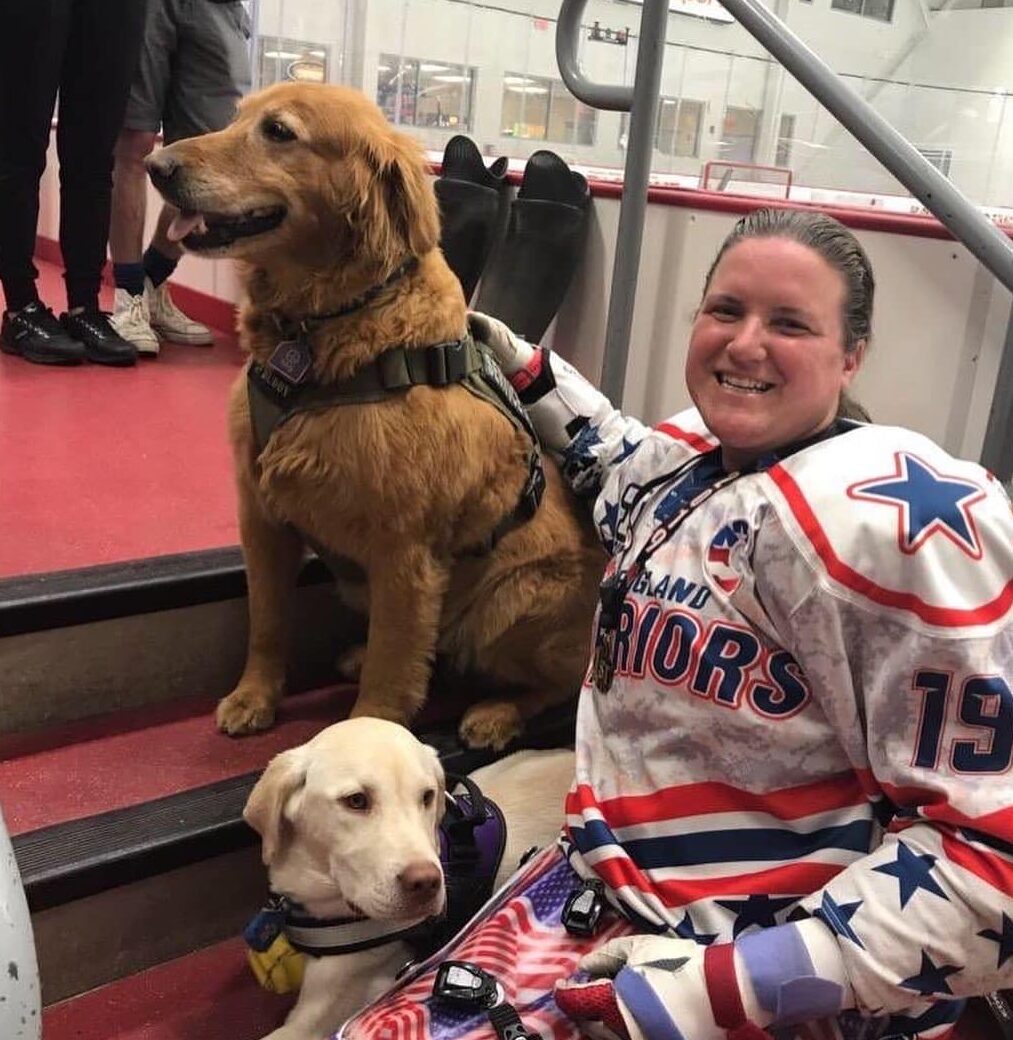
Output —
(349, 821)
(305, 173)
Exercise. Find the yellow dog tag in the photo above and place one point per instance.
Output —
(279, 968)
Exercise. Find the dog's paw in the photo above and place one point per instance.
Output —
(243, 712)
(349, 664)
(491, 724)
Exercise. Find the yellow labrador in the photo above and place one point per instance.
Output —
(348, 823)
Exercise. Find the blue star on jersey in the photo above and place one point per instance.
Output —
(758, 910)
(838, 917)
(931, 978)
(685, 929)
(928, 503)
(913, 872)
(1003, 938)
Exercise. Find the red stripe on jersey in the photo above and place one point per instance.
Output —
(847, 576)
(992, 869)
(694, 440)
(673, 803)
(790, 880)
(933, 806)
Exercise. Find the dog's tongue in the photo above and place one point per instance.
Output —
(183, 224)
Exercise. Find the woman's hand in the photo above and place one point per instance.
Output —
(643, 987)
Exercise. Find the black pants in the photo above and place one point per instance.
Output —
(87, 51)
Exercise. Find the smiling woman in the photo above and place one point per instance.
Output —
(792, 600)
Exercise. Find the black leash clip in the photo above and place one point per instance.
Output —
(467, 985)
(583, 908)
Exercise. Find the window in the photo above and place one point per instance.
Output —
(280, 58)
(678, 128)
(939, 157)
(417, 92)
(785, 137)
(881, 10)
(738, 134)
(542, 109)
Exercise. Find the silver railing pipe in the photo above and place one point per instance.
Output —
(642, 103)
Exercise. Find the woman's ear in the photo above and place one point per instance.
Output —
(853, 360)
(284, 776)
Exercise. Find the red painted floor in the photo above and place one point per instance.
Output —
(208, 995)
(91, 767)
(99, 464)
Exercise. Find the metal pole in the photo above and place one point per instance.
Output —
(597, 95)
(642, 102)
(904, 161)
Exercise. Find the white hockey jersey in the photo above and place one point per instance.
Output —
(812, 707)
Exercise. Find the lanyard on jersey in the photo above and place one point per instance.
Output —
(612, 591)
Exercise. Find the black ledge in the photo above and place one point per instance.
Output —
(38, 602)
(72, 860)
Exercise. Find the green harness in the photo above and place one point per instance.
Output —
(284, 388)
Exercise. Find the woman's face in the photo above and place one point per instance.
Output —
(766, 362)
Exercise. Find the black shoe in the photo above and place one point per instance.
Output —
(474, 205)
(34, 334)
(530, 271)
(102, 343)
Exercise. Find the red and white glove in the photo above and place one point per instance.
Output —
(657, 988)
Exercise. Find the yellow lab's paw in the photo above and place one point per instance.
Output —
(244, 712)
(491, 724)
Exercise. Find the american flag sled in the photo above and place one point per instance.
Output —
(519, 938)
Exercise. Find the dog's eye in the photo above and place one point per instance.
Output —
(428, 797)
(275, 130)
(357, 802)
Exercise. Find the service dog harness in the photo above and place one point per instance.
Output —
(472, 839)
(284, 387)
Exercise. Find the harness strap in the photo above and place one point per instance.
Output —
(277, 392)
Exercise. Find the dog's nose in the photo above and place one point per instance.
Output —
(162, 167)
(420, 880)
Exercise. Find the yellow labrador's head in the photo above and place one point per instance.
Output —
(349, 821)
(304, 172)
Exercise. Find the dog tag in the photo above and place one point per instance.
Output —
(292, 359)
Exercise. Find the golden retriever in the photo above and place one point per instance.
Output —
(348, 823)
(321, 200)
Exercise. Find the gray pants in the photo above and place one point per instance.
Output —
(194, 67)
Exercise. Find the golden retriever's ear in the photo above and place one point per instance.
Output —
(265, 808)
(399, 211)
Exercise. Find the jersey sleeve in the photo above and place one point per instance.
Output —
(891, 581)
(604, 455)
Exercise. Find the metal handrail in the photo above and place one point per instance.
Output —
(903, 160)
(642, 103)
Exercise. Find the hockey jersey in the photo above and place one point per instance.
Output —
(811, 712)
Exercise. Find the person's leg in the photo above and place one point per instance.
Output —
(98, 66)
(145, 106)
(31, 53)
(211, 73)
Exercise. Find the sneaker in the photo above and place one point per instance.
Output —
(102, 343)
(132, 320)
(34, 334)
(170, 322)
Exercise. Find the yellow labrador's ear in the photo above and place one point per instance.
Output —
(265, 808)
(441, 783)
(399, 213)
